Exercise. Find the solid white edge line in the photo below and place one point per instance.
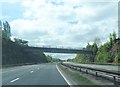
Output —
(63, 76)
(14, 80)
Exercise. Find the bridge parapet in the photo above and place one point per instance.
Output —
(58, 50)
(61, 47)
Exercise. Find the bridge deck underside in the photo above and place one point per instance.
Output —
(58, 50)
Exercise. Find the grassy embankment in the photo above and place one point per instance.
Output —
(77, 77)
(15, 55)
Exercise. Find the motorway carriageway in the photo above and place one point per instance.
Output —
(40, 74)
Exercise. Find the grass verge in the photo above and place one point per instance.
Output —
(75, 76)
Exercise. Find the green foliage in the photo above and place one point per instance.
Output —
(117, 58)
(103, 54)
(13, 53)
(94, 48)
(106, 53)
(88, 47)
(80, 59)
(69, 60)
(21, 42)
(7, 30)
(55, 60)
(102, 57)
(97, 41)
(50, 59)
(4, 34)
(111, 40)
(114, 37)
(86, 58)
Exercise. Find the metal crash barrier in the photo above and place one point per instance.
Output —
(113, 76)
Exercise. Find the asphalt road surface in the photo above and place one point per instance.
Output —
(42, 74)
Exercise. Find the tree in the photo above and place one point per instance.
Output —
(103, 54)
(21, 42)
(88, 47)
(97, 41)
(114, 37)
(94, 48)
(117, 58)
(102, 57)
(55, 60)
(4, 35)
(7, 29)
(0, 29)
(68, 60)
(111, 40)
(0, 25)
(49, 58)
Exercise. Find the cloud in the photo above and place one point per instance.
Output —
(10, 1)
(63, 23)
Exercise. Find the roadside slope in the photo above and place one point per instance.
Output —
(13, 53)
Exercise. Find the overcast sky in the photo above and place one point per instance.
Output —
(61, 23)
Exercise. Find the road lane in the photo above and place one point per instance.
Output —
(12, 73)
(42, 74)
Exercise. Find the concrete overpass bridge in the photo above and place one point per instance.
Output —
(57, 50)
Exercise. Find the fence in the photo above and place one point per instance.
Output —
(114, 74)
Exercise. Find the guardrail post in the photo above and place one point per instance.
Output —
(87, 71)
(76, 68)
(96, 74)
(80, 69)
(114, 80)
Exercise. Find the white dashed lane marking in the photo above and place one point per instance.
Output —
(14, 80)
(31, 71)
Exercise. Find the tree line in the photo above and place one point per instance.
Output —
(13, 51)
(6, 33)
(109, 52)
(51, 59)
